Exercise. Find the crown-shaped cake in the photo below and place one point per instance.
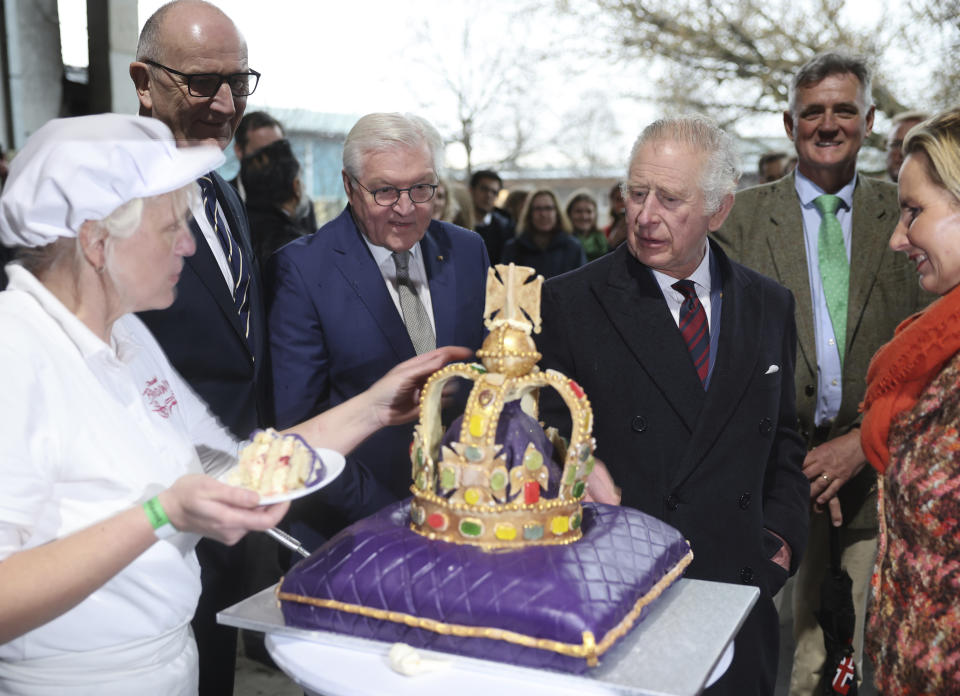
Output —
(474, 489)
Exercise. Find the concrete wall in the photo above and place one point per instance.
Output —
(112, 28)
(33, 71)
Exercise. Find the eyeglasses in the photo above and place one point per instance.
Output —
(208, 84)
(389, 195)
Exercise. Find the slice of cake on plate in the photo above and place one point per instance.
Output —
(273, 464)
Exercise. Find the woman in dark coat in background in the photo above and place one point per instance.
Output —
(543, 238)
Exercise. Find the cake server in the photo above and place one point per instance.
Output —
(288, 541)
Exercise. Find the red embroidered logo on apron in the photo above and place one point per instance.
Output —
(160, 397)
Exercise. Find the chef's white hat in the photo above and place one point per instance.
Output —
(77, 169)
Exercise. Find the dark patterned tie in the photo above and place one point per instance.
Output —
(238, 266)
(694, 327)
(414, 313)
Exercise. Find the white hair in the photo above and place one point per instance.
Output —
(126, 220)
(721, 172)
(385, 131)
(119, 224)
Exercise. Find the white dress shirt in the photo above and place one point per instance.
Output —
(829, 369)
(701, 283)
(211, 238)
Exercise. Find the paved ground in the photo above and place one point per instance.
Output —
(786, 651)
(254, 679)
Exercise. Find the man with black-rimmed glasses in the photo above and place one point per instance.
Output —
(377, 285)
(191, 72)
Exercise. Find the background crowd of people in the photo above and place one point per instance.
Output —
(726, 337)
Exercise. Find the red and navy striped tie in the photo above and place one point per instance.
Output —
(238, 266)
(694, 327)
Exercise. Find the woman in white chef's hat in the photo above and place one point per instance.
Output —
(107, 458)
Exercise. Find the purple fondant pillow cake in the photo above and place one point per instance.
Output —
(495, 556)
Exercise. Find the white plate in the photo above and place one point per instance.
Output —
(333, 463)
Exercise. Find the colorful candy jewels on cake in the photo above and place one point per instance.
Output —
(478, 489)
(494, 556)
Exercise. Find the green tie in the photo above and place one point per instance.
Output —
(834, 268)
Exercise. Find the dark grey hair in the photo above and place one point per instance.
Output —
(826, 64)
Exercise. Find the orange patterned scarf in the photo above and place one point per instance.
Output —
(902, 369)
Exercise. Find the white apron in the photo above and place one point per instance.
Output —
(166, 665)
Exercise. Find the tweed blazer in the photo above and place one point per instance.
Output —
(764, 231)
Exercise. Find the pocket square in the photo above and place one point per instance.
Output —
(773, 369)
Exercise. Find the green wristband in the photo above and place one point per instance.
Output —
(158, 518)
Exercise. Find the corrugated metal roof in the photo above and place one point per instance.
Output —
(314, 122)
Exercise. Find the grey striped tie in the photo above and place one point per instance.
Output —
(414, 314)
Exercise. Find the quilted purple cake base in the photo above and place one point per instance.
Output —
(555, 607)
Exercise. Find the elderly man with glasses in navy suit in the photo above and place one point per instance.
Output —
(377, 285)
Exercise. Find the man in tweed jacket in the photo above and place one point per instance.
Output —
(773, 229)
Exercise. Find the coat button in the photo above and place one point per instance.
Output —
(746, 575)
(744, 501)
(638, 424)
(766, 425)
(809, 390)
(672, 502)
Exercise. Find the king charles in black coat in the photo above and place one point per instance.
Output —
(721, 462)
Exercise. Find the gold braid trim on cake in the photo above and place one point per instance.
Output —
(622, 628)
(588, 649)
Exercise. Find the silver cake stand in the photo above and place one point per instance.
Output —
(681, 646)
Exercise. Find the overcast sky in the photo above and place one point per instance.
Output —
(313, 55)
(360, 56)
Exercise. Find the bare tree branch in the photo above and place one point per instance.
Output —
(486, 83)
(733, 56)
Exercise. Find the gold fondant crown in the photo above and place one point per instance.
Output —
(465, 492)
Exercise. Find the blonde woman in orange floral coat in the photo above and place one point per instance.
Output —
(911, 434)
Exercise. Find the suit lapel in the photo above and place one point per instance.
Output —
(204, 264)
(230, 214)
(443, 282)
(869, 214)
(741, 319)
(232, 208)
(634, 303)
(360, 272)
(789, 252)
